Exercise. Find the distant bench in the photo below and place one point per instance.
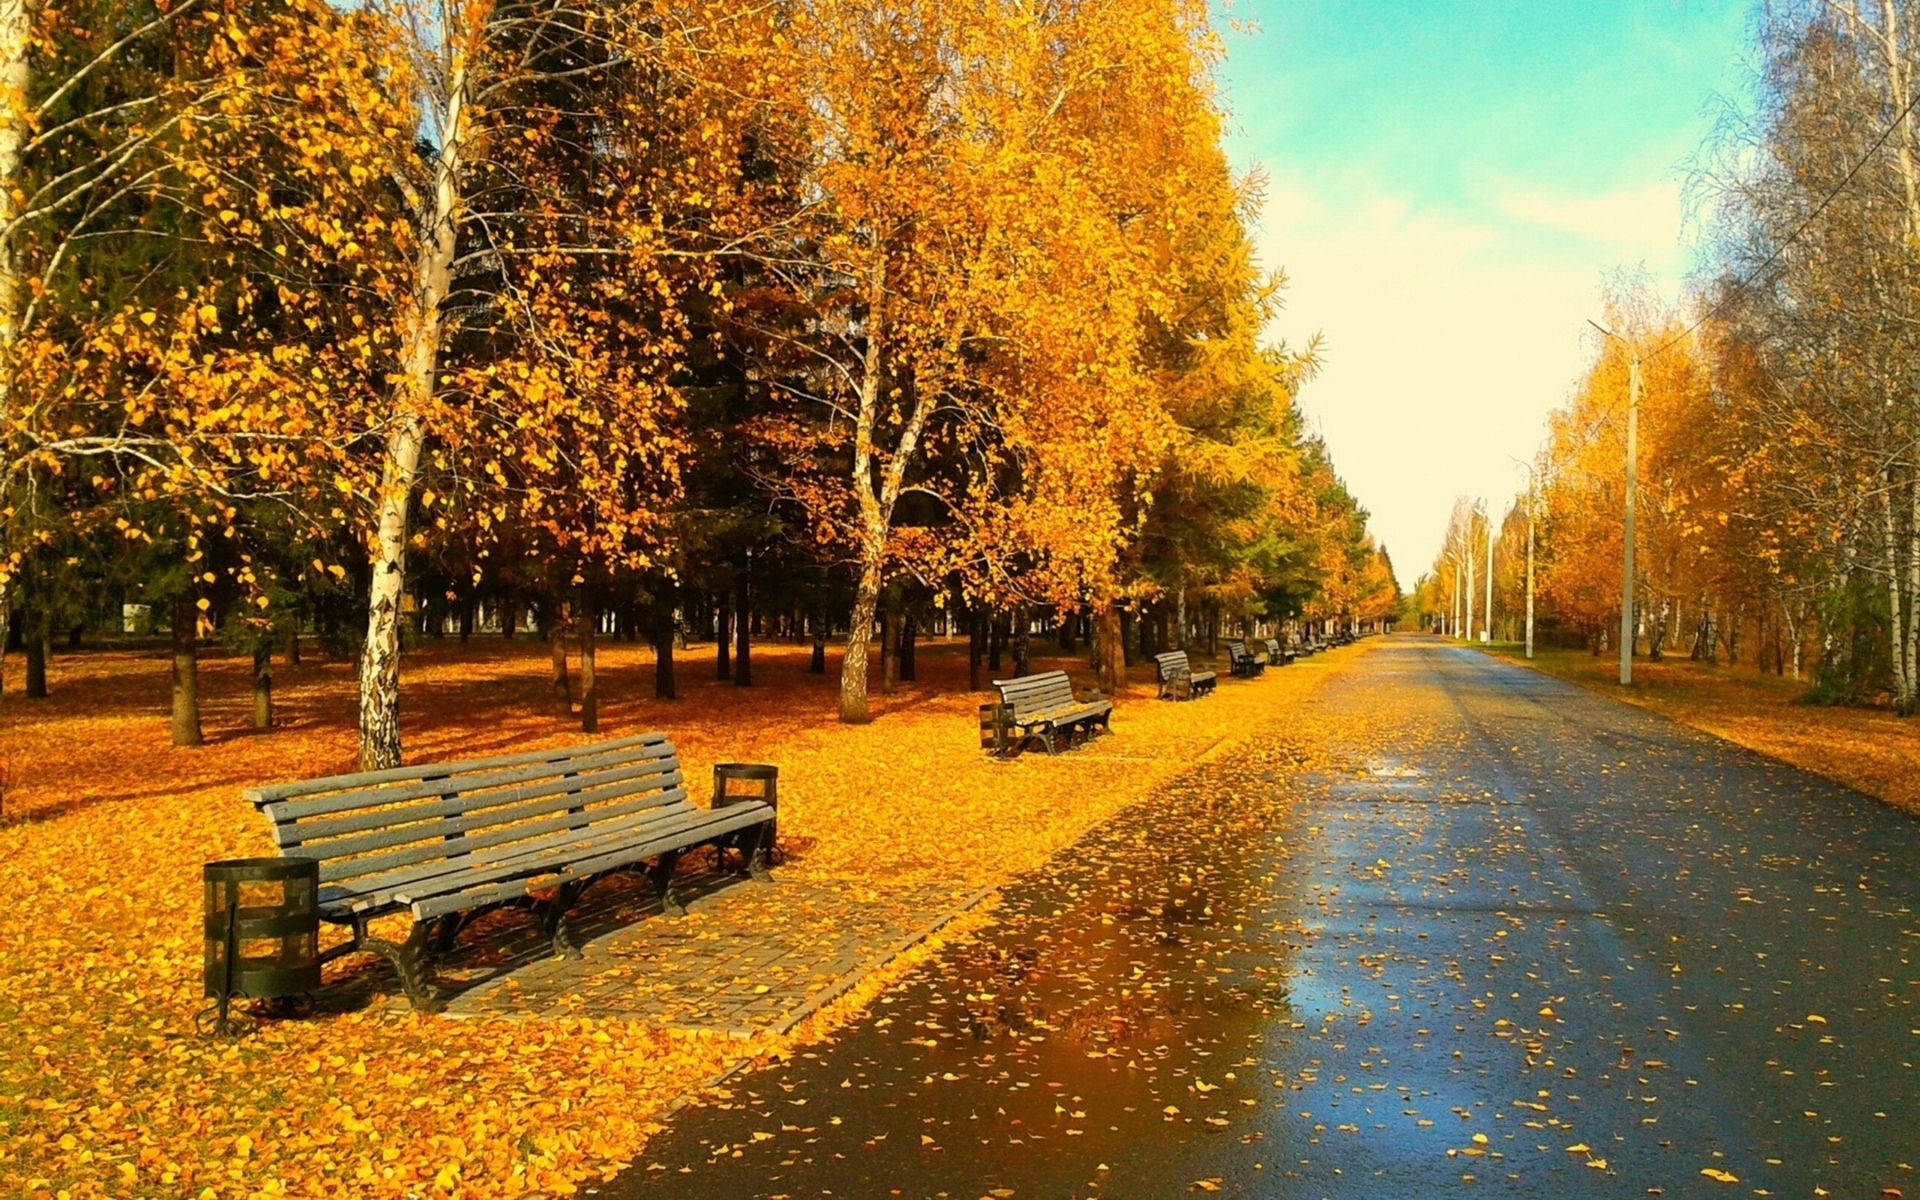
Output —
(1241, 662)
(1178, 680)
(1043, 708)
(1276, 656)
(448, 841)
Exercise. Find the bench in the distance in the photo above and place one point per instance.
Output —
(1178, 679)
(1043, 708)
(1241, 661)
(444, 842)
(1277, 656)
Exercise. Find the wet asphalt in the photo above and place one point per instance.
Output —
(1449, 928)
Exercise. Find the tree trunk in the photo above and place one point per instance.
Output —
(16, 82)
(557, 650)
(1107, 640)
(186, 682)
(663, 634)
(976, 649)
(996, 640)
(466, 619)
(1793, 635)
(509, 615)
(1896, 622)
(889, 647)
(1022, 641)
(262, 687)
(853, 668)
(589, 633)
(817, 662)
(909, 636)
(291, 649)
(34, 645)
(1180, 619)
(723, 638)
(742, 631)
(399, 471)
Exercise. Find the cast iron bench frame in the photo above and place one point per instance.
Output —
(447, 842)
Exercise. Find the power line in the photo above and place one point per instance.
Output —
(1805, 223)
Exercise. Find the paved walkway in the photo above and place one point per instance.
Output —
(744, 959)
(1520, 940)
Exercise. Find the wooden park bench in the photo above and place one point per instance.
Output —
(1043, 708)
(445, 842)
(1276, 656)
(1178, 679)
(1241, 662)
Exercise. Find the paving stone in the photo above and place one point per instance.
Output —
(744, 958)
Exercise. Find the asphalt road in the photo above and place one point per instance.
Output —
(1452, 929)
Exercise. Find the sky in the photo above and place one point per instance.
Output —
(1449, 183)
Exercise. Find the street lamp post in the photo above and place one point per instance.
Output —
(1626, 567)
(1530, 506)
(1486, 630)
(1633, 454)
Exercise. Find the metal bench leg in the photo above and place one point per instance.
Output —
(445, 930)
(554, 923)
(759, 849)
(409, 961)
(661, 876)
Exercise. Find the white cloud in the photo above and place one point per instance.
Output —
(1449, 335)
(1635, 221)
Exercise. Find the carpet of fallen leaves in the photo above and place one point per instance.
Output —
(106, 1088)
(1868, 749)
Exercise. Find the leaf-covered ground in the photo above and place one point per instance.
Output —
(1865, 748)
(106, 1088)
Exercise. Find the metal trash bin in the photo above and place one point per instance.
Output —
(996, 722)
(262, 929)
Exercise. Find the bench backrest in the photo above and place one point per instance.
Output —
(1036, 693)
(1273, 649)
(1237, 651)
(374, 830)
(1172, 664)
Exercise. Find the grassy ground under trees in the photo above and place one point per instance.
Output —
(106, 1088)
(1868, 749)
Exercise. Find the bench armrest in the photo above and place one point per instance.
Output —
(767, 774)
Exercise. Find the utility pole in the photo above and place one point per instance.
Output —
(1466, 552)
(1453, 618)
(1486, 630)
(1530, 505)
(1626, 568)
(1626, 540)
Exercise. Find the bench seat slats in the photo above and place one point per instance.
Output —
(270, 792)
(1031, 694)
(448, 779)
(452, 855)
(490, 883)
(455, 800)
(618, 801)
